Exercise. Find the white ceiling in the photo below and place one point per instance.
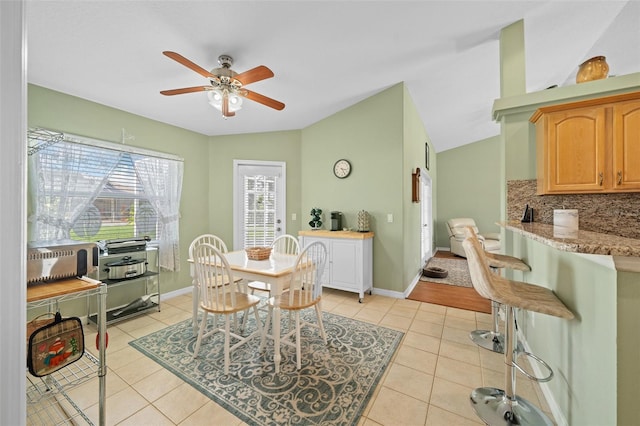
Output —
(326, 55)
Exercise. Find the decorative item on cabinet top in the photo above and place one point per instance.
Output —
(363, 221)
(595, 68)
(316, 219)
(415, 186)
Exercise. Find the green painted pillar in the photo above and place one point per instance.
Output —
(512, 60)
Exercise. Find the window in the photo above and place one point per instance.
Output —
(91, 190)
(121, 209)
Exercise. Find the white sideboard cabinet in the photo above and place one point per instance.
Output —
(349, 265)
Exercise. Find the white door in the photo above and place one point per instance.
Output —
(427, 216)
(259, 201)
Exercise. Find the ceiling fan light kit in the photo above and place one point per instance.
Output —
(226, 91)
(216, 98)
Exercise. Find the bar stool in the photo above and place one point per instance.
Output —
(493, 340)
(498, 406)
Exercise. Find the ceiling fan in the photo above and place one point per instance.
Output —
(226, 89)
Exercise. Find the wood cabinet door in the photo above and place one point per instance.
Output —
(576, 141)
(626, 143)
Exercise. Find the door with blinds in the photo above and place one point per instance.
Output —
(259, 202)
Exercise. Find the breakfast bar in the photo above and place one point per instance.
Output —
(595, 355)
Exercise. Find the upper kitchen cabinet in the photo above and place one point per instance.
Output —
(626, 146)
(589, 146)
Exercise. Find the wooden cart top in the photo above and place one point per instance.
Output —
(59, 288)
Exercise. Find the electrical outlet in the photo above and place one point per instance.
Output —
(390, 217)
(293, 216)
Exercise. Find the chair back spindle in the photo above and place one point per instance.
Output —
(217, 289)
(286, 244)
(306, 279)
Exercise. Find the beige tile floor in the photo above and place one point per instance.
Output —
(428, 382)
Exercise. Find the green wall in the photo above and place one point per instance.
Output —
(381, 137)
(469, 185)
(414, 139)
(369, 135)
(274, 146)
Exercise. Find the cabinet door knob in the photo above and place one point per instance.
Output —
(619, 177)
(601, 178)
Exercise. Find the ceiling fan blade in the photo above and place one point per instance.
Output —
(257, 97)
(255, 74)
(185, 90)
(187, 63)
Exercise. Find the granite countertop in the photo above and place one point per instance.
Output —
(579, 241)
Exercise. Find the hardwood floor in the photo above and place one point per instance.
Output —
(450, 295)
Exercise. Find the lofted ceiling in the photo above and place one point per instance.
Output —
(326, 55)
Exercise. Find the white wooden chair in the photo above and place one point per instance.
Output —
(305, 291)
(218, 243)
(285, 244)
(221, 295)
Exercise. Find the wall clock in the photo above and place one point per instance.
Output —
(342, 168)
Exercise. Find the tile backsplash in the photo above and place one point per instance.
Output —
(617, 214)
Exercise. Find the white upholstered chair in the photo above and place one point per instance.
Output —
(220, 295)
(305, 291)
(456, 229)
(218, 243)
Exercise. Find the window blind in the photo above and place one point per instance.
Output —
(259, 210)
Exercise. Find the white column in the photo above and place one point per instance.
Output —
(13, 184)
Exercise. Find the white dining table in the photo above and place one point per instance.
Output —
(276, 271)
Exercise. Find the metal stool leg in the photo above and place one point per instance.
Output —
(496, 406)
(492, 340)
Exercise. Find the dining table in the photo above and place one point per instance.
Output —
(275, 271)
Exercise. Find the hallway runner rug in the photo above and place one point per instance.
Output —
(455, 290)
(333, 387)
(457, 271)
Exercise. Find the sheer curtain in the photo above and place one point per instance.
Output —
(162, 182)
(64, 180)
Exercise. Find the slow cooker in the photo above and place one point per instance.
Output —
(126, 268)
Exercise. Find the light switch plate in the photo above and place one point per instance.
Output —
(293, 216)
(390, 217)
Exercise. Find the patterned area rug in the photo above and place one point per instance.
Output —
(332, 388)
(457, 268)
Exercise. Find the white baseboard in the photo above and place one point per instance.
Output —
(413, 284)
(176, 293)
(388, 293)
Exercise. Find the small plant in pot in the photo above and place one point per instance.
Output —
(316, 219)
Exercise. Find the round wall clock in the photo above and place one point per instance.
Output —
(342, 168)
